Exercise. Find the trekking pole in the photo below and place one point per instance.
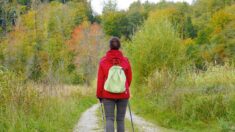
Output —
(129, 106)
(102, 111)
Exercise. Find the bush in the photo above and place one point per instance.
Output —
(156, 46)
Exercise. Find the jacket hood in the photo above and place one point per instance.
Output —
(114, 56)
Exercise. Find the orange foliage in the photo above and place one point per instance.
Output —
(85, 42)
(82, 32)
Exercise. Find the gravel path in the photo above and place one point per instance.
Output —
(89, 122)
(143, 125)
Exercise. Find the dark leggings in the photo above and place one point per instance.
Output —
(109, 108)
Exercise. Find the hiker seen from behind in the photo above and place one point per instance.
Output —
(113, 85)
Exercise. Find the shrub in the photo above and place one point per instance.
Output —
(156, 46)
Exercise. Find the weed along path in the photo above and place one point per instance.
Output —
(89, 122)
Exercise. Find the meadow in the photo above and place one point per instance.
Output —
(36, 107)
(182, 56)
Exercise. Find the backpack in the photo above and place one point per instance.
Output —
(116, 80)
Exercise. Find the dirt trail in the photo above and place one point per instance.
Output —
(89, 122)
(143, 125)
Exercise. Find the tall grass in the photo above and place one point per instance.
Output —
(192, 101)
(26, 107)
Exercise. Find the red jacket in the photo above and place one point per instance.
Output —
(105, 63)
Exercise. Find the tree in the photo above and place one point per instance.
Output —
(115, 23)
(87, 44)
(216, 41)
(156, 46)
(110, 6)
(36, 47)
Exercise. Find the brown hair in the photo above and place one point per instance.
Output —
(114, 46)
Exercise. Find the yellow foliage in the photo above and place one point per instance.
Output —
(217, 30)
(206, 55)
(188, 41)
(231, 11)
(29, 19)
(221, 18)
(161, 14)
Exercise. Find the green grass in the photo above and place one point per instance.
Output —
(56, 115)
(192, 102)
(25, 109)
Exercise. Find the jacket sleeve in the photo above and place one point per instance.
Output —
(100, 82)
(129, 73)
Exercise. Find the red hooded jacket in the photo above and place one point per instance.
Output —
(112, 57)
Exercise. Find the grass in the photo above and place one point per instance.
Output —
(56, 115)
(189, 102)
(27, 107)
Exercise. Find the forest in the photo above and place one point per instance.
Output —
(182, 56)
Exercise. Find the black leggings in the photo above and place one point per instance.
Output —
(109, 107)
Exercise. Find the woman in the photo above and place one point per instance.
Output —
(111, 100)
